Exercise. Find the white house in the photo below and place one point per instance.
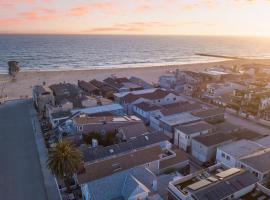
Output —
(231, 153)
(184, 133)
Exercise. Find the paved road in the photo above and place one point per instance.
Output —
(247, 124)
(21, 176)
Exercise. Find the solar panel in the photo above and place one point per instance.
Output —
(228, 172)
(199, 184)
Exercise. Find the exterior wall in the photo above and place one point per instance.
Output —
(141, 196)
(145, 116)
(176, 166)
(154, 123)
(42, 100)
(183, 140)
(244, 191)
(225, 158)
(153, 166)
(199, 151)
(205, 153)
(263, 177)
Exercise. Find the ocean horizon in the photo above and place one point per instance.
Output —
(82, 52)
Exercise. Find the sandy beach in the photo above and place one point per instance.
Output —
(24, 82)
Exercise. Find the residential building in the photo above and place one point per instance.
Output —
(227, 127)
(122, 84)
(230, 154)
(158, 97)
(258, 164)
(106, 90)
(129, 132)
(204, 147)
(210, 115)
(213, 183)
(137, 183)
(42, 96)
(64, 91)
(103, 125)
(57, 118)
(171, 110)
(144, 109)
(89, 88)
(183, 134)
(140, 82)
(113, 109)
(167, 124)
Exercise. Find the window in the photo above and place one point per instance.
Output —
(228, 158)
(174, 99)
(80, 128)
(223, 155)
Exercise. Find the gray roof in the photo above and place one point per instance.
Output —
(194, 127)
(227, 127)
(179, 108)
(147, 106)
(213, 139)
(259, 161)
(209, 113)
(92, 154)
(133, 130)
(265, 141)
(180, 118)
(226, 187)
(61, 114)
(121, 185)
(241, 148)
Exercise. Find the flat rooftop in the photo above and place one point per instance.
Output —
(241, 148)
(216, 184)
(181, 118)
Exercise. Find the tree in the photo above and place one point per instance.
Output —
(64, 161)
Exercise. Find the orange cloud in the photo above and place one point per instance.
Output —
(39, 14)
(5, 22)
(79, 11)
(82, 10)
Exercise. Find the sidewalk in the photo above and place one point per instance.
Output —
(49, 180)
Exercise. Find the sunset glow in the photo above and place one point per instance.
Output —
(176, 17)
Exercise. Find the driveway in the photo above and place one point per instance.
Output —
(21, 175)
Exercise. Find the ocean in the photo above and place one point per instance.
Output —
(74, 52)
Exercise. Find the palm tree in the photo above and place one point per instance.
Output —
(64, 161)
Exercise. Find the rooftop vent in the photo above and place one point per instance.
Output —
(111, 150)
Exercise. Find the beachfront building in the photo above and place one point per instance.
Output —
(42, 96)
(183, 134)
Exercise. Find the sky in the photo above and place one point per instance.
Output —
(153, 17)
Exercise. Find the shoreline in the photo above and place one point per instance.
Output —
(25, 80)
(124, 66)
